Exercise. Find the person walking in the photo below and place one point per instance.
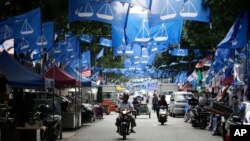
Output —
(154, 102)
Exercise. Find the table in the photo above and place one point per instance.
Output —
(29, 133)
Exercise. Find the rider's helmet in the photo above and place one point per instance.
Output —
(162, 97)
(125, 96)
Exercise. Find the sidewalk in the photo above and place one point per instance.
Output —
(68, 134)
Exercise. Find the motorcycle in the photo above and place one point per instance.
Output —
(51, 123)
(192, 103)
(124, 124)
(199, 117)
(163, 116)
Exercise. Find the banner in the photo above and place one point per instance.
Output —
(114, 12)
(179, 52)
(46, 40)
(169, 10)
(138, 29)
(86, 38)
(25, 28)
(66, 50)
(105, 42)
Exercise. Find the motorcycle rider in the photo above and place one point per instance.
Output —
(125, 105)
(161, 102)
(136, 104)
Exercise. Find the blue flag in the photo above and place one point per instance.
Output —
(151, 59)
(86, 38)
(138, 29)
(25, 28)
(118, 40)
(46, 40)
(179, 52)
(237, 35)
(120, 50)
(6, 31)
(169, 10)
(86, 58)
(129, 50)
(66, 50)
(137, 50)
(100, 54)
(127, 63)
(113, 12)
(105, 42)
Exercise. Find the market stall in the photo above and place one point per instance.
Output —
(71, 119)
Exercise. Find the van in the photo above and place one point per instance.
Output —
(167, 95)
(178, 102)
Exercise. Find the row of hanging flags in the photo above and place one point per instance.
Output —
(140, 29)
(150, 24)
(34, 38)
(230, 64)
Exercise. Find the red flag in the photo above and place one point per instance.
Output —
(86, 72)
(202, 62)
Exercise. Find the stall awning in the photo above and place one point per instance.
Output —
(19, 76)
(61, 78)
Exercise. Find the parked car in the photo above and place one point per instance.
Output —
(87, 111)
(178, 101)
(238, 117)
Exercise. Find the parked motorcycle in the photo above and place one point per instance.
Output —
(163, 115)
(192, 103)
(124, 124)
(199, 118)
(52, 123)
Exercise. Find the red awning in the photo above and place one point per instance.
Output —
(62, 79)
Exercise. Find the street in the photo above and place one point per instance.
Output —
(146, 130)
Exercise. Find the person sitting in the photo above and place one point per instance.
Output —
(161, 102)
(125, 105)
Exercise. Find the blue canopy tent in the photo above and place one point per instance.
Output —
(19, 76)
(85, 81)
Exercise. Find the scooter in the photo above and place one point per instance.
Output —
(163, 116)
(125, 123)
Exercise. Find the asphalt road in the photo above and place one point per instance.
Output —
(147, 129)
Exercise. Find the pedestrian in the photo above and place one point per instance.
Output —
(235, 103)
(154, 102)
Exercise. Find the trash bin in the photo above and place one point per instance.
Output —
(106, 108)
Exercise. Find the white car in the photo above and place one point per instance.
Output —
(178, 101)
